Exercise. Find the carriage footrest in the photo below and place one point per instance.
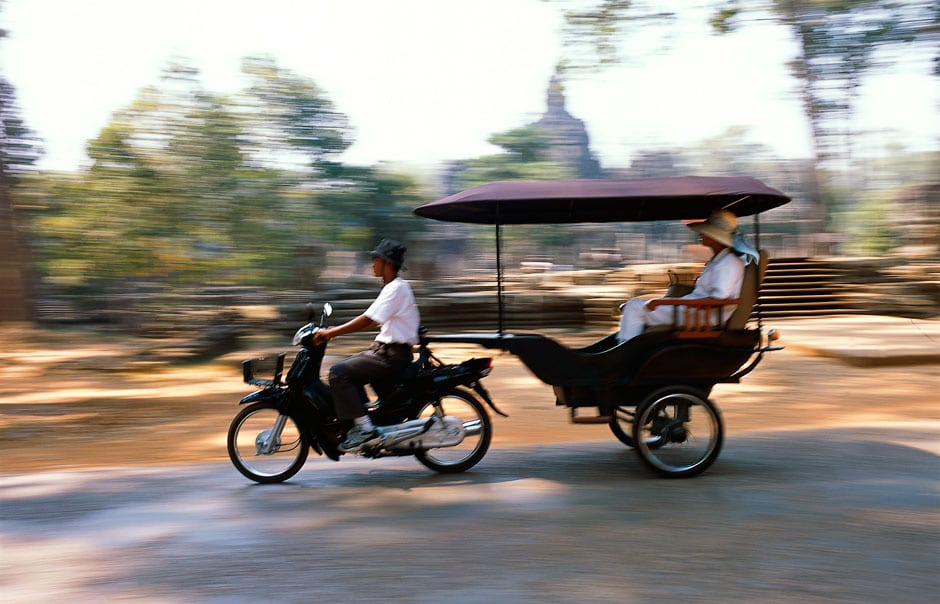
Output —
(588, 419)
(600, 419)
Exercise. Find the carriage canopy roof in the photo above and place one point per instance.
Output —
(624, 200)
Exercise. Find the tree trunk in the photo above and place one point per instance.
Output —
(14, 299)
(805, 76)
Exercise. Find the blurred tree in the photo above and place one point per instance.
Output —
(189, 187)
(360, 205)
(731, 153)
(291, 124)
(657, 163)
(868, 226)
(19, 150)
(162, 198)
(839, 42)
(164, 174)
(289, 119)
(595, 32)
(524, 156)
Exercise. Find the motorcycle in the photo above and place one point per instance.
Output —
(431, 410)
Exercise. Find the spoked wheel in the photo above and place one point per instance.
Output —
(463, 405)
(621, 424)
(265, 445)
(678, 432)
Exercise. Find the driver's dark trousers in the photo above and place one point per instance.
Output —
(349, 377)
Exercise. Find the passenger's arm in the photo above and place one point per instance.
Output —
(695, 313)
(692, 302)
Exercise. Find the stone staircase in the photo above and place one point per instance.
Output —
(805, 287)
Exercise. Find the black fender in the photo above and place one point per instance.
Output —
(280, 397)
(276, 395)
(479, 389)
(429, 395)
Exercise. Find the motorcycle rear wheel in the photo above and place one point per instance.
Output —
(462, 404)
(250, 428)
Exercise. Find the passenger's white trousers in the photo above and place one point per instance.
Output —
(636, 317)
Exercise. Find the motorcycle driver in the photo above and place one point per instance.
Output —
(396, 312)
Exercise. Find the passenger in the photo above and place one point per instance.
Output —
(396, 311)
(722, 277)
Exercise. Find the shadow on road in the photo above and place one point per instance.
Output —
(817, 515)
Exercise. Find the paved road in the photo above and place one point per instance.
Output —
(826, 491)
(807, 516)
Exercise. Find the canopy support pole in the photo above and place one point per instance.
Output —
(757, 302)
(499, 278)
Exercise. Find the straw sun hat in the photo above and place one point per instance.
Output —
(720, 226)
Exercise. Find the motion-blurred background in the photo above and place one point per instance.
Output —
(183, 169)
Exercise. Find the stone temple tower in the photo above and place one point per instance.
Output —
(569, 143)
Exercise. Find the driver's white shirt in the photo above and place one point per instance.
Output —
(397, 312)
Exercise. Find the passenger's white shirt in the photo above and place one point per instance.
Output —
(397, 312)
(721, 278)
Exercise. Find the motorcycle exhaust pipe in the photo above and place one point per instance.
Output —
(472, 427)
(407, 430)
(429, 432)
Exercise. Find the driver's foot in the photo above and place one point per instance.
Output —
(356, 438)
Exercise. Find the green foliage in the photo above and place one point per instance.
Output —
(731, 153)
(594, 32)
(362, 205)
(724, 18)
(867, 225)
(524, 156)
(839, 43)
(287, 116)
(19, 146)
(189, 188)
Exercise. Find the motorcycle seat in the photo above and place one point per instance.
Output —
(384, 387)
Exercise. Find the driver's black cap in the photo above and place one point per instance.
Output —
(391, 251)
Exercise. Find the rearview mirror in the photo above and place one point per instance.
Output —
(327, 311)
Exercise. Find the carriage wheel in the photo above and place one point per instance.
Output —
(621, 424)
(678, 432)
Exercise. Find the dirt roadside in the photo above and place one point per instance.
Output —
(91, 401)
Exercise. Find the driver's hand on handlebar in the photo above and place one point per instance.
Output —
(321, 336)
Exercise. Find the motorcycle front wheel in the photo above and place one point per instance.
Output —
(462, 404)
(265, 445)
